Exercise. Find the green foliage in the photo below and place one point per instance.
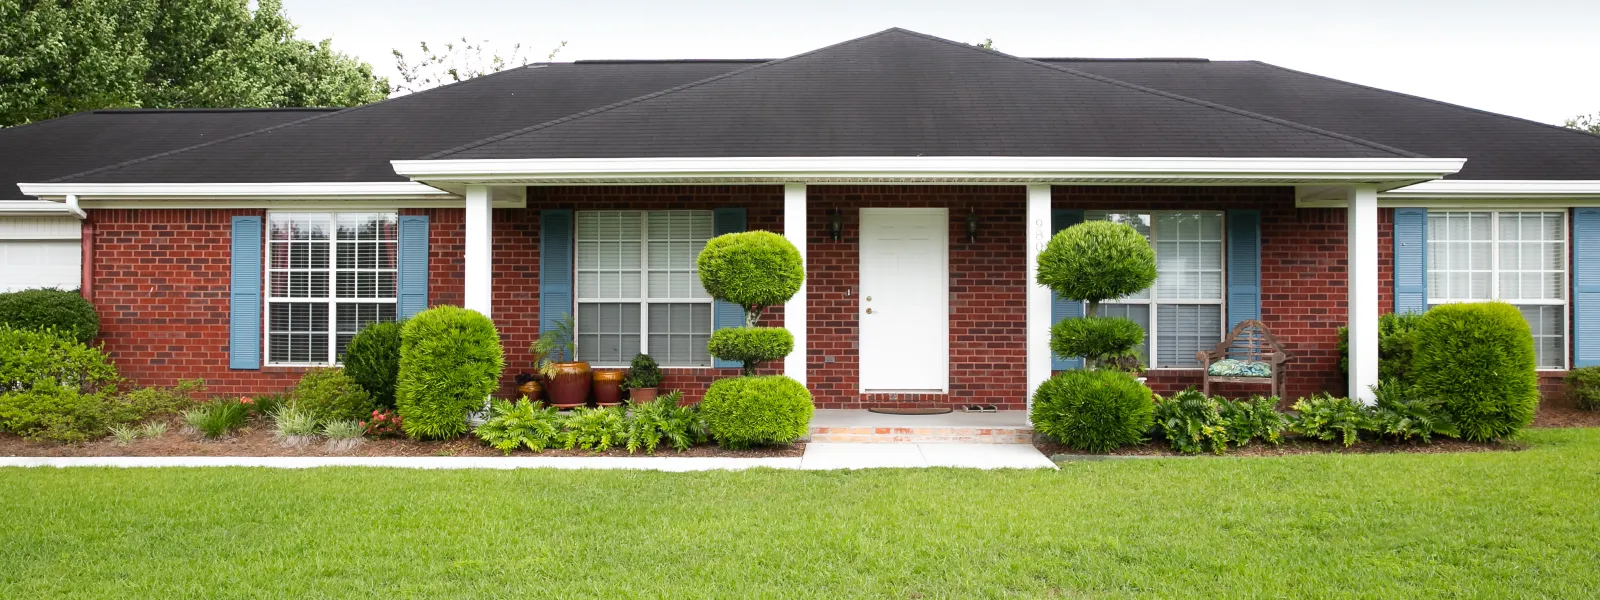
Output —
(373, 360)
(332, 395)
(555, 346)
(48, 410)
(1256, 418)
(520, 425)
(1399, 414)
(664, 419)
(1395, 345)
(1585, 123)
(1478, 359)
(741, 412)
(153, 429)
(1328, 419)
(751, 345)
(28, 357)
(1584, 383)
(343, 435)
(124, 434)
(450, 361)
(1095, 261)
(595, 429)
(1099, 340)
(457, 62)
(754, 269)
(64, 311)
(293, 425)
(1094, 411)
(217, 418)
(66, 57)
(1192, 422)
(56, 388)
(645, 373)
(156, 401)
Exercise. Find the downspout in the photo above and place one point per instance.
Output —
(72, 205)
(86, 239)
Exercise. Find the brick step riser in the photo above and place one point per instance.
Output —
(922, 435)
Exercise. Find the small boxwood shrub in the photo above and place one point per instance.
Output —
(1395, 346)
(741, 412)
(65, 311)
(751, 344)
(1100, 340)
(643, 372)
(1094, 411)
(331, 395)
(373, 360)
(450, 361)
(1478, 360)
(1584, 384)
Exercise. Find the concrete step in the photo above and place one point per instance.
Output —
(860, 426)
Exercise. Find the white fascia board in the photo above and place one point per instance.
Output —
(1452, 193)
(932, 169)
(94, 194)
(34, 208)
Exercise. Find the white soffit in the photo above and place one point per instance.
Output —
(1448, 193)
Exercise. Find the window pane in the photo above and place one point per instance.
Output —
(679, 333)
(608, 333)
(1138, 313)
(1460, 251)
(318, 257)
(297, 332)
(1189, 255)
(610, 254)
(1184, 329)
(1532, 252)
(1549, 329)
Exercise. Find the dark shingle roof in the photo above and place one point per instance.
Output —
(357, 144)
(1496, 146)
(45, 150)
(899, 93)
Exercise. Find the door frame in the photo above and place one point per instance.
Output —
(943, 300)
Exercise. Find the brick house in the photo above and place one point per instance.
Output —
(918, 176)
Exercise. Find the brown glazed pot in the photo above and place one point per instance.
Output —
(570, 387)
(531, 390)
(641, 395)
(608, 388)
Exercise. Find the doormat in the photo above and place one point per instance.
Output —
(910, 411)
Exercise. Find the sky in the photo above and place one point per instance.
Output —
(1534, 59)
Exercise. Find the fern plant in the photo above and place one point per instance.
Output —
(595, 429)
(1328, 419)
(664, 420)
(1256, 418)
(522, 424)
(1401, 415)
(1192, 422)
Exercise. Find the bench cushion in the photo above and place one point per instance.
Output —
(1228, 367)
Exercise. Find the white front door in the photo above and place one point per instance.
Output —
(904, 300)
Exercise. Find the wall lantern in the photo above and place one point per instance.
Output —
(836, 224)
(972, 225)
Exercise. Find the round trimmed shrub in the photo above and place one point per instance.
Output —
(1584, 383)
(1394, 346)
(1097, 260)
(1098, 339)
(450, 361)
(754, 269)
(1478, 361)
(1093, 411)
(741, 412)
(332, 395)
(65, 311)
(751, 344)
(373, 360)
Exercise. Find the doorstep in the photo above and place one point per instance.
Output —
(862, 426)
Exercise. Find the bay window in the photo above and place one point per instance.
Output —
(328, 275)
(1183, 312)
(1515, 257)
(638, 289)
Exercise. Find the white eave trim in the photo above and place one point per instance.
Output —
(90, 193)
(33, 208)
(1456, 193)
(1383, 172)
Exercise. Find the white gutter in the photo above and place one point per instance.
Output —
(72, 205)
(1485, 188)
(32, 208)
(376, 190)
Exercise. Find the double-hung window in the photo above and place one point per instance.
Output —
(328, 274)
(1182, 313)
(1515, 257)
(638, 289)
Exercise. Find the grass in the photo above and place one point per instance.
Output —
(1491, 525)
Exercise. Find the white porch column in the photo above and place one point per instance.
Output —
(794, 311)
(478, 253)
(1362, 269)
(1038, 298)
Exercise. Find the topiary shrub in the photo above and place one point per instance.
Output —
(1478, 360)
(65, 311)
(450, 361)
(1094, 411)
(373, 360)
(1100, 340)
(742, 412)
(331, 395)
(1584, 384)
(1092, 262)
(1394, 346)
(755, 270)
(751, 345)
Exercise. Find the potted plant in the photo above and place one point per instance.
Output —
(528, 384)
(608, 388)
(555, 353)
(644, 375)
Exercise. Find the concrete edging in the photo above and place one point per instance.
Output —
(648, 463)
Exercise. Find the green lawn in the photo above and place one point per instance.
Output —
(1509, 524)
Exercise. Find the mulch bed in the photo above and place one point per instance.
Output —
(1294, 446)
(1553, 416)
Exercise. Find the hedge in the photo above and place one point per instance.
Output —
(62, 310)
(450, 361)
(1478, 361)
(373, 360)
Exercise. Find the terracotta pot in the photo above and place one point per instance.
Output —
(570, 387)
(531, 390)
(641, 395)
(608, 388)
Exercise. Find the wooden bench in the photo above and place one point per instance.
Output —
(1250, 341)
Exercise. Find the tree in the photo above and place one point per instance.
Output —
(459, 61)
(755, 270)
(1092, 262)
(59, 57)
(1588, 123)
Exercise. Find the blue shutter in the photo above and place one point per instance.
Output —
(1061, 308)
(1586, 286)
(1244, 266)
(413, 266)
(244, 295)
(727, 314)
(555, 269)
(1410, 260)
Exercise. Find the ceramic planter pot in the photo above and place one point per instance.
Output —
(570, 387)
(531, 390)
(641, 395)
(608, 388)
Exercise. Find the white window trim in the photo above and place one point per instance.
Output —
(644, 286)
(1154, 301)
(333, 291)
(1494, 275)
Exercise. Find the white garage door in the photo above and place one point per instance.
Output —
(38, 252)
